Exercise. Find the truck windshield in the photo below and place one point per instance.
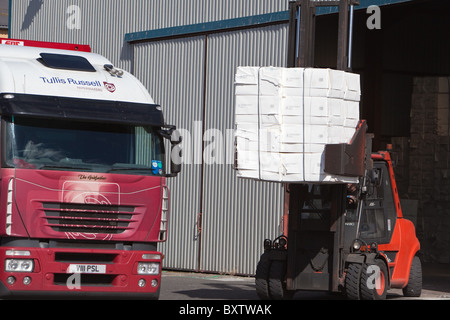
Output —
(46, 144)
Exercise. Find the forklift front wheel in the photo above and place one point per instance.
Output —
(352, 280)
(374, 281)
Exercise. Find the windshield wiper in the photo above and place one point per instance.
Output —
(130, 169)
(58, 166)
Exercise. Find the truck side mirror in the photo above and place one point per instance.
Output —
(169, 132)
(175, 154)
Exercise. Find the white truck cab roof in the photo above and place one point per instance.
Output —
(66, 73)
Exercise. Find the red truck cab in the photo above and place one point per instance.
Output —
(83, 194)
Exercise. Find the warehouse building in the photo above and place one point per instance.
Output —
(186, 54)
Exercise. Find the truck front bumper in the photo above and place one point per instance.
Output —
(71, 273)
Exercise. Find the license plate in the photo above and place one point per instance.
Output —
(86, 268)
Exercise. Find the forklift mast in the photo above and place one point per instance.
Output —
(301, 45)
(323, 238)
(302, 16)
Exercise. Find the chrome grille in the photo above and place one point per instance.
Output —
(89, 218)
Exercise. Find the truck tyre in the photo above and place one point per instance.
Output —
(374, 281)
(352, 280)
(414, 286)
(262, 278)
(277, 281)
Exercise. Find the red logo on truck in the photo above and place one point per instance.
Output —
(13, 42)
(109, 86)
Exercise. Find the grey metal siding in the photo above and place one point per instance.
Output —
(238, 214)
(173, 73)
(103, 23)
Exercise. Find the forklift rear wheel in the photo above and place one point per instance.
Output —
(374, 281)
(277, 281)
(262, 278)
(414, 286)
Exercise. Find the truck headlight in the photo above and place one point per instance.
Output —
(19, 265)
(148, 268)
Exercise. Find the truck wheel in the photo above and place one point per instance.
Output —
(262, 278)
(277, 281)
(352, 280)
(374, 281)
(414, 286)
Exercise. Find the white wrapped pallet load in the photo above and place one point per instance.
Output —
(284, 117)
(324, 83)
(246, 104)
(352, 87)
(270, 80)
(246, 80)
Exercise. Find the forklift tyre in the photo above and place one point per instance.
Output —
(277, 281)
(270, 279)
(262, 278)
(374, 281)
(352, 280)
(414, 286)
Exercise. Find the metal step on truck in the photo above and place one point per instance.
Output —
(84, 200)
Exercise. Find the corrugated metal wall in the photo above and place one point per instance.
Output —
(103, 23)
(237, 214)
(192, 78)
(173, 72)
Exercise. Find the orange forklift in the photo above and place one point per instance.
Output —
(348, 238)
